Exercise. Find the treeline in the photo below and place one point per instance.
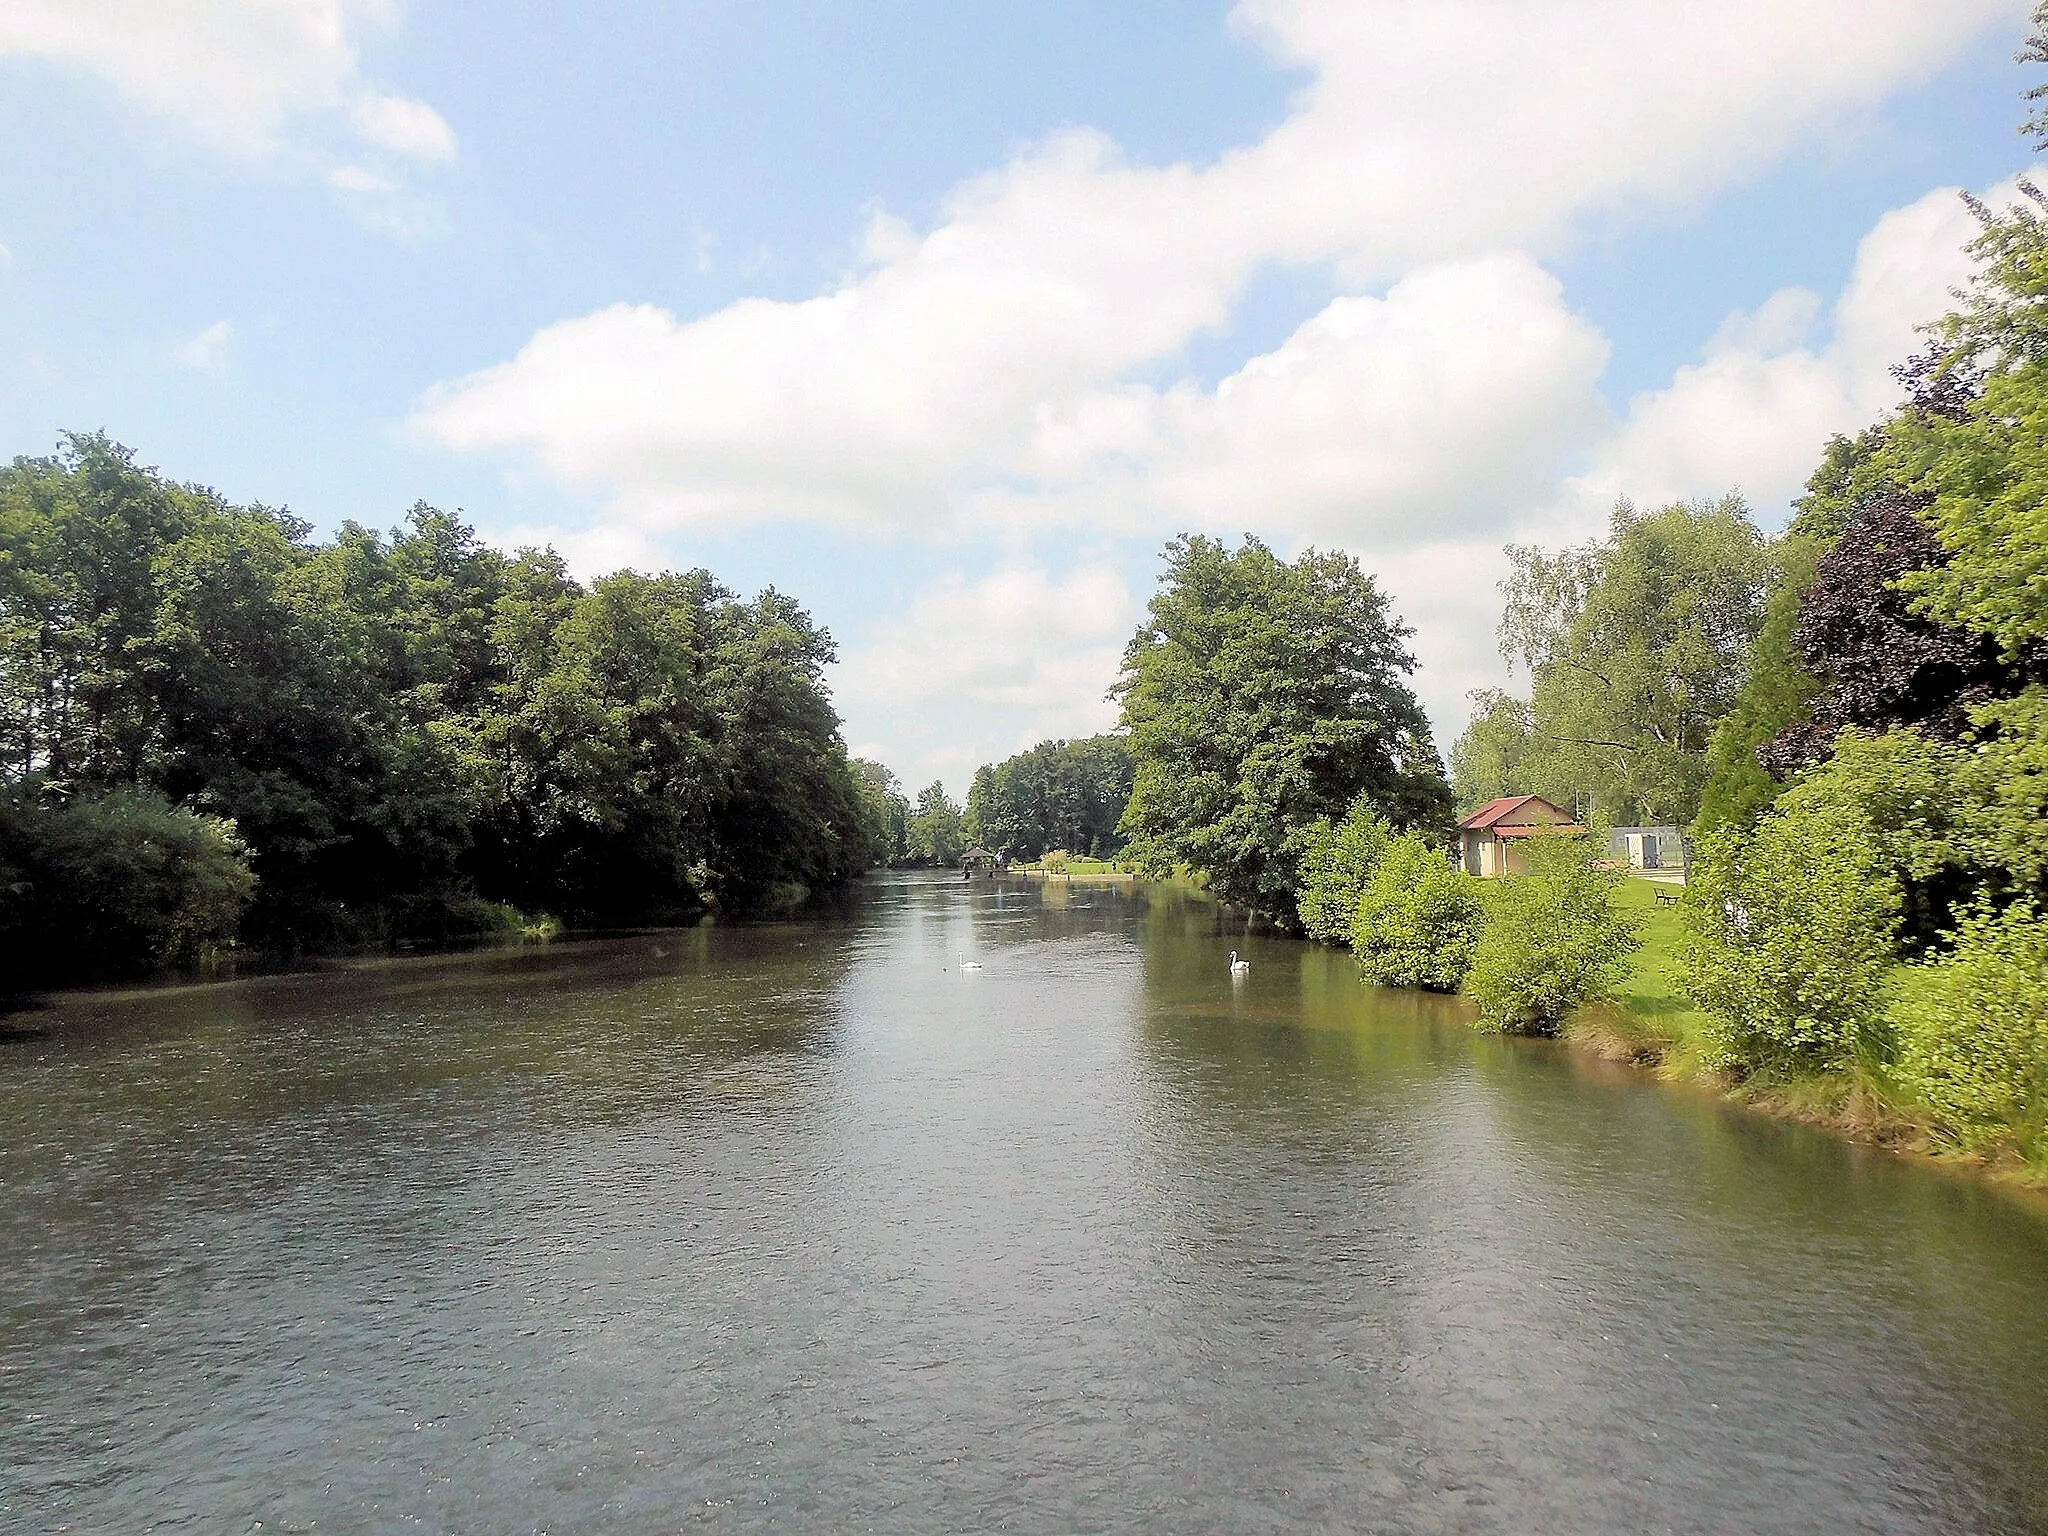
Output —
(216, 730)
(927, 832)
(1060, 795)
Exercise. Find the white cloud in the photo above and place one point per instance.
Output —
(208, 350)
(1379, 421)
(1756, 409)
(976, 670)
(243, 75)
(919, 393)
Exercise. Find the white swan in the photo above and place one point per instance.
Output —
(1239, 967)
(969, 965)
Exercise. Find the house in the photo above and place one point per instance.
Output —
(1487, 838)
(1648, 848)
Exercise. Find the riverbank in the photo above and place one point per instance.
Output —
(1652, 1024)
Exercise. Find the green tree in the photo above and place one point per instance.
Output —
(938, 830)
(1262, 697)
(1418, 918)
(1060, 794)
(1336, 869)
(1637, 648)
(1554, 939)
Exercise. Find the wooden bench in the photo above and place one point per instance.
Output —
(1668, 898)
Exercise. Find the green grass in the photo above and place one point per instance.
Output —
(1077, 867)
(1654, 993)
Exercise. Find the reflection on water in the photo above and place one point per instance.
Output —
(807, 1227)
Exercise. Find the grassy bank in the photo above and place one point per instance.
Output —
(1652, 1023)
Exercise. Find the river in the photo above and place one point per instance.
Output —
(804, 1227)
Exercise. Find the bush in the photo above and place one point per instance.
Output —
(1793, 932)
(1418, 918)
(1554, 939)
(1972, 1033)
(1336, 869)
(118, 884)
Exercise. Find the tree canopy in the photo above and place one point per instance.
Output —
(1637, 647)
(1262, 698)
(1060, 794)
(399, 730)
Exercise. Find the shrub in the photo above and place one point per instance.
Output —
(1972, 1033)
(1418, 918)
(117, 884)
(1792, 933)
(1336, 869)
(1554, 939)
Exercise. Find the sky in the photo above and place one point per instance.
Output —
(944, 319)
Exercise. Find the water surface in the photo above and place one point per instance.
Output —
(806, 1228)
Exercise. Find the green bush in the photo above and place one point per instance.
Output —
(118, 884)
(1336, 869)
(1418, 918)
(1554, 939)
(1793, 932)
(1972, 1033)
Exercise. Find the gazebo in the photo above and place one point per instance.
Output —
(976, 858)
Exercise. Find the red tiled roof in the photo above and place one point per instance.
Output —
(1494, 810)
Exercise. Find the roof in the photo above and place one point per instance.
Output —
(1498, 810)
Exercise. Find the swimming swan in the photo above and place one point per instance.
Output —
(969, 965)
(1239, 967)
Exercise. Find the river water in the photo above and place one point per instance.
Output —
(806, 1228)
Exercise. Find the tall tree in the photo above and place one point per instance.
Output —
(1060, 794)
(937, 832)
(1637, 647)
(1263, 697)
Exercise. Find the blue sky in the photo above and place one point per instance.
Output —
(944, 318)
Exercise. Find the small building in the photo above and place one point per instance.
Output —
(977, 858)
(1489, 839)
(1648, 848)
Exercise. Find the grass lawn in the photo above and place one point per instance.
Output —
(1652, 992)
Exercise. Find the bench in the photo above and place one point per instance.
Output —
(1668, 898)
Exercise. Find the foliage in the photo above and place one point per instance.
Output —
(114, 884)
(1986, 472)
(401, 728)
(1336, 868)
(1792, 932)
(937, 832)
(1554, 939)
(1261, 697)
(885, 813)
(1418, 918)
(1882, 663)
(1637, 647)
(1060, 794)
(1497, 755)
(1972, 1032)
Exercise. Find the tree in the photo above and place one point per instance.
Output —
(886, 810)
(1336, 869)
(1060, 794)
(1553, 939)
(1637, 648)
(937, 832)
(1261, 697)
(398, 731)
(1418, 918)
(1496, 756)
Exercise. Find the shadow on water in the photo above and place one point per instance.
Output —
(808, 1226)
